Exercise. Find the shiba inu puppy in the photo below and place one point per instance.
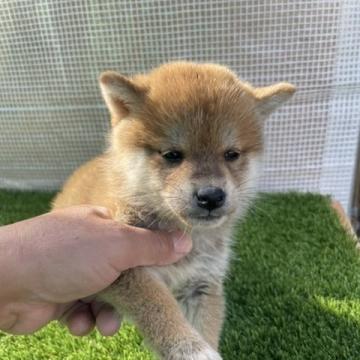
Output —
(184, 153)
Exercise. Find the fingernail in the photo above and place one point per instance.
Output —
(182, 242)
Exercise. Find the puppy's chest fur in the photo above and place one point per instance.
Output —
(204, 266)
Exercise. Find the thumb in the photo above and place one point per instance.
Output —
(143, 247)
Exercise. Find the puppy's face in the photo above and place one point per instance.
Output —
(188, 137)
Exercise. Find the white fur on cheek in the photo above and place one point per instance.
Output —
(132, 163)
(254, 172)
(135, 166)
(178, 198)
(248, 188)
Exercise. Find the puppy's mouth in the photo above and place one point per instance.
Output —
(207, 217)
(196, 216)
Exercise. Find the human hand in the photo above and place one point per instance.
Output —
(53, 265)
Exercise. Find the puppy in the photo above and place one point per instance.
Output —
(184, 153)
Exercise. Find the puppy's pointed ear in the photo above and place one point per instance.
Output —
(122, 96)
(269, 98)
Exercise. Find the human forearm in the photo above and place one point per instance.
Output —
(13, 282)
(12, 263)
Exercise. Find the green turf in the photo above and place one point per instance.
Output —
(293, 291)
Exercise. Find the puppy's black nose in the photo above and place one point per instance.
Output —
(210, 197)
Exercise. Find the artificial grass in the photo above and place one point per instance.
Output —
(293, 291)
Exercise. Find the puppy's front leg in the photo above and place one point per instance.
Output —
(205, 309)
(154, 310)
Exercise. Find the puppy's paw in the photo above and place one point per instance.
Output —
(206, 354)
(193, 352)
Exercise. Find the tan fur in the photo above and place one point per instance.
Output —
(202, 110)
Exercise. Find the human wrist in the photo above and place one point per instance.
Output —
(13, 265)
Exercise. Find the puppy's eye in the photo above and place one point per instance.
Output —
(173, 156)
(231, 155)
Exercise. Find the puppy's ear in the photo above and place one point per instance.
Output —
(122, 96)
(269, 98)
